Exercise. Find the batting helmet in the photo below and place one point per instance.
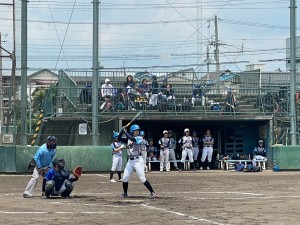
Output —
(142, 133)
(134, 127)
(60, 162)
(276, 168)
(115, 134)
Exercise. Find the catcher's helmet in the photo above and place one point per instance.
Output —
(134, 127)
(142, 133)
(276, 168)
(51, 138)
(115, 134)
(60, 162)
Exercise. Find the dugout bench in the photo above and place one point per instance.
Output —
(186, 164)
(230, 163)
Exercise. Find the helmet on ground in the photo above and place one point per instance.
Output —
(60, 162)
(115, 134)
(276, 168)
(142, 133)
(186, 130)
(51, 138)
(134, 127)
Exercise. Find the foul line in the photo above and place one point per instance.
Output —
(183, 215)
(40, 212)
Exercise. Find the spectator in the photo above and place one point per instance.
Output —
(154, 93)
(169, 92)
(107, 90)
(152, 151)
(86, 95)
(120, 100)
(259, 153)
(163, 90)
(143, 89)
(129, 86)
(198, 95)
(230, 102)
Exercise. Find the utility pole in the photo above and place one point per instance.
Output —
(293, 72)
(95, 119)
(207, 62)
(1, 86)
(217, 57)
(23, 71)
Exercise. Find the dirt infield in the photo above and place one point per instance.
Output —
(202, 197)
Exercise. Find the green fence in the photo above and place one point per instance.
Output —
(286, 157)
(93, 159)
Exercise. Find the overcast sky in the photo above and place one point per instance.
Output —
(153, 35)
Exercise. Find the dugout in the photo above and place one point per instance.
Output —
(231, 136)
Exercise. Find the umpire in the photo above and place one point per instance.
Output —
(43, 158)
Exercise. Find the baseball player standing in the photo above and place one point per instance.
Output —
(43, 158)
(135, 161)
(187, 149)
(117, 147)
(259, 152)
(172, 147)
(208, 142)
(144, 150)
(164, 144)
(195, 147)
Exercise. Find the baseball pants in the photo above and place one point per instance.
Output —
(144, 155)
(117, 163)
(172, 156)
(185, 152)
(32, 183)
(164, 160)
(207, 152)
(136, 164)
(195, 153)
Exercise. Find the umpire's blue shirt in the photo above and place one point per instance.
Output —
(44, 156)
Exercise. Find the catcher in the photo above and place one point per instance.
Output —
(59, 181)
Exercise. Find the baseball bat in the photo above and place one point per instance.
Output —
(133, 119)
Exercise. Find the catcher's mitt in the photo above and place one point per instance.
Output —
(77, 171)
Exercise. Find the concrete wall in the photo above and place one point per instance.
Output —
(99, 158)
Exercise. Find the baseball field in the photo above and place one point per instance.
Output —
(202, 197)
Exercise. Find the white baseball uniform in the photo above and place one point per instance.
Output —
(164, 154)
(207, 148)
(117, 156)
(187, 148)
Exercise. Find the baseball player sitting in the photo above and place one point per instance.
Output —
(58, 180)
(152, 151)
(135, 161)
(259, 153)
(117, 147)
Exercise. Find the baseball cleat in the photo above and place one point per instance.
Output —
(112, 181)
(208, 168)
(120, 180)
(201, 168)
(124, 195)
(26, 196)
(152, 195)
